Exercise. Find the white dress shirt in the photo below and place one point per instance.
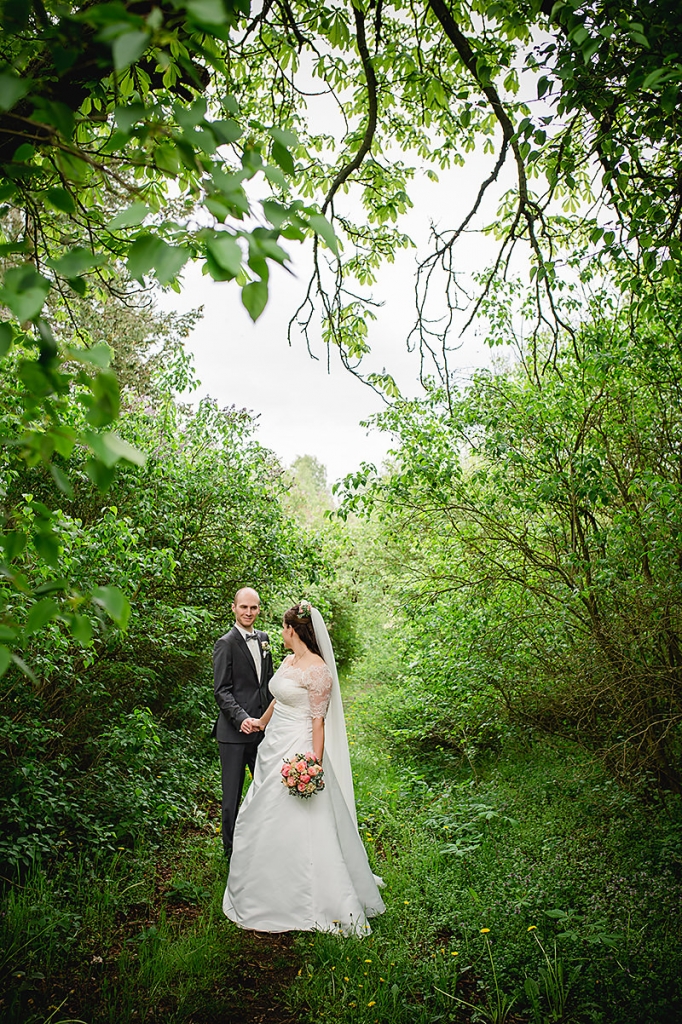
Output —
(254, 648)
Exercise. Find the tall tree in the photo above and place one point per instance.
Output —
(537, 532)
(120, 120)
(105, 105)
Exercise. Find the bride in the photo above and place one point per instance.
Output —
(299, 864)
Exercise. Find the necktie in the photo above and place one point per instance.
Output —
(251, 636)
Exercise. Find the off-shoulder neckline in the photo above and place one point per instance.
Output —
(305, 668)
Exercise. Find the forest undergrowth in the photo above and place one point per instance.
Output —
(523, 887)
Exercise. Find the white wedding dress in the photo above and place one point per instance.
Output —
(298, 864)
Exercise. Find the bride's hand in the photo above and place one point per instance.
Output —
(250, 725)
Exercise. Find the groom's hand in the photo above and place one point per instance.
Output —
(250, 725)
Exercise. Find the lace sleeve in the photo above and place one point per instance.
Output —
(318, 682)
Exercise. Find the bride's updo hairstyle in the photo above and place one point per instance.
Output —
(303, 626)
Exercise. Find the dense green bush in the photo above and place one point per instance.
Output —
(108, 735)
(535, 527)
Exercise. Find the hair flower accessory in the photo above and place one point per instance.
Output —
(304, 609)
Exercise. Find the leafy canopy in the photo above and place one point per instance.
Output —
(137, 136)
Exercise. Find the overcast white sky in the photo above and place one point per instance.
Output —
(303, 409)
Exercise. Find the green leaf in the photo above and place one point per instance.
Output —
(217, 206)
(64, 440)
(129, 47)
(275, 212)
(57, 114)
(76, 262)
(61, 200)
(105, 403)
(13, 543)
(143, 254)
(47, 545)
(52, 587)
(46, 341)
(207, 12)
(322, 227)
(169, 262)
(255, 298)
(217, 273)
(61, 479)
(589, 49)
(283, 157)
(115, 604)
(24, 668)
(6, 338)
(5, 660)
(35, 379)
(120, 449)
(283, 137)
(384, 382)
(101, 475)
(81, 629)
(110, 448)
(12, 89)
(275, 176)
(73, 168)
(129, 218)
(78, 284)
(226, 132)
(128, 116)
(226, 252)
(40, 614)
(192, 115)
(166, 158)
(12, 248)
(24, 292)
(98, 355)
(261, 243)
(24, 152)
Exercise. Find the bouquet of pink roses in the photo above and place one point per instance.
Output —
(303, 775)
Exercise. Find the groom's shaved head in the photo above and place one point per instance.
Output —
(246, 594)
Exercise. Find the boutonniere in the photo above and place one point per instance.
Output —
(265, 646)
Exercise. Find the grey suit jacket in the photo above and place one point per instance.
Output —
(237, 691)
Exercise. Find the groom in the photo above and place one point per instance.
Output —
(242, 669)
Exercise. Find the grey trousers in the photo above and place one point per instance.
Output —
(234, 758)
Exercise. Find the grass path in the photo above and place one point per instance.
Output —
(530, 878)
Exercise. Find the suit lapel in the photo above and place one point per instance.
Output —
(247, 653)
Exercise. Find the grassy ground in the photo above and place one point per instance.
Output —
(526, 878)
(143, 940)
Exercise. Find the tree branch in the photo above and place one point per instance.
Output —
(468, 58)
(370, 130)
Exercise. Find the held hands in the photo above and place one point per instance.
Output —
(250, 725)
